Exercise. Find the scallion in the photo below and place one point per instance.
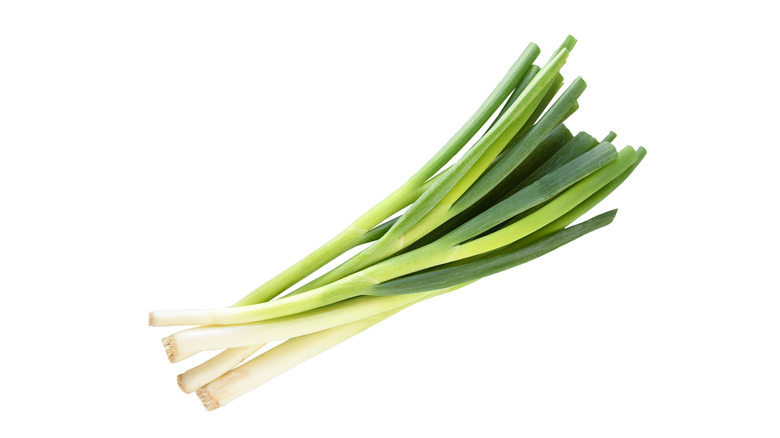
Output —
(510, 198)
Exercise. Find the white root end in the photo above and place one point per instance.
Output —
(181, 383)
(276, 361)
(218, 365)
(209, 402)
(169, 343)
(279, 359)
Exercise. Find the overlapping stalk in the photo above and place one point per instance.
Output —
(509, 199)
(405, 195)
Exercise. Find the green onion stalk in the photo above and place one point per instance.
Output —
(510, 198)
(402, 197)
(238, 381)
(516, 80)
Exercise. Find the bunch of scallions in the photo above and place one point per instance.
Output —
(510, 198)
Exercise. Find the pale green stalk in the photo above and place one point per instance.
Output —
(279, 359)
(186, 343)
(298, 350)
(431, 209)
(402, 197)
(223, 362)
(385, 296)
(453, 246)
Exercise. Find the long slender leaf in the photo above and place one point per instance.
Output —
(523, 147)
(580, 144)
(501, 133)
(548, 148)
(457, 175)
(540, 191)
(477, 267)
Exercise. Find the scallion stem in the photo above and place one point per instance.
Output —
(402, 197)
(510, 198)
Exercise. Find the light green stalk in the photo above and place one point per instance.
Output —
(454, 246)
(279, 359)
(186, 343)
(399, 292)
(298, 350)
(402, 197)
(433, 207)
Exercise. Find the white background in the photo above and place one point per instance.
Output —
(177, 154)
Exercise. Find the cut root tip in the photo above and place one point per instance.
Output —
(169, 344)
(180, 382)
(209, 402)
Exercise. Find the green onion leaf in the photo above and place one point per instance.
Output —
(481, 266)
